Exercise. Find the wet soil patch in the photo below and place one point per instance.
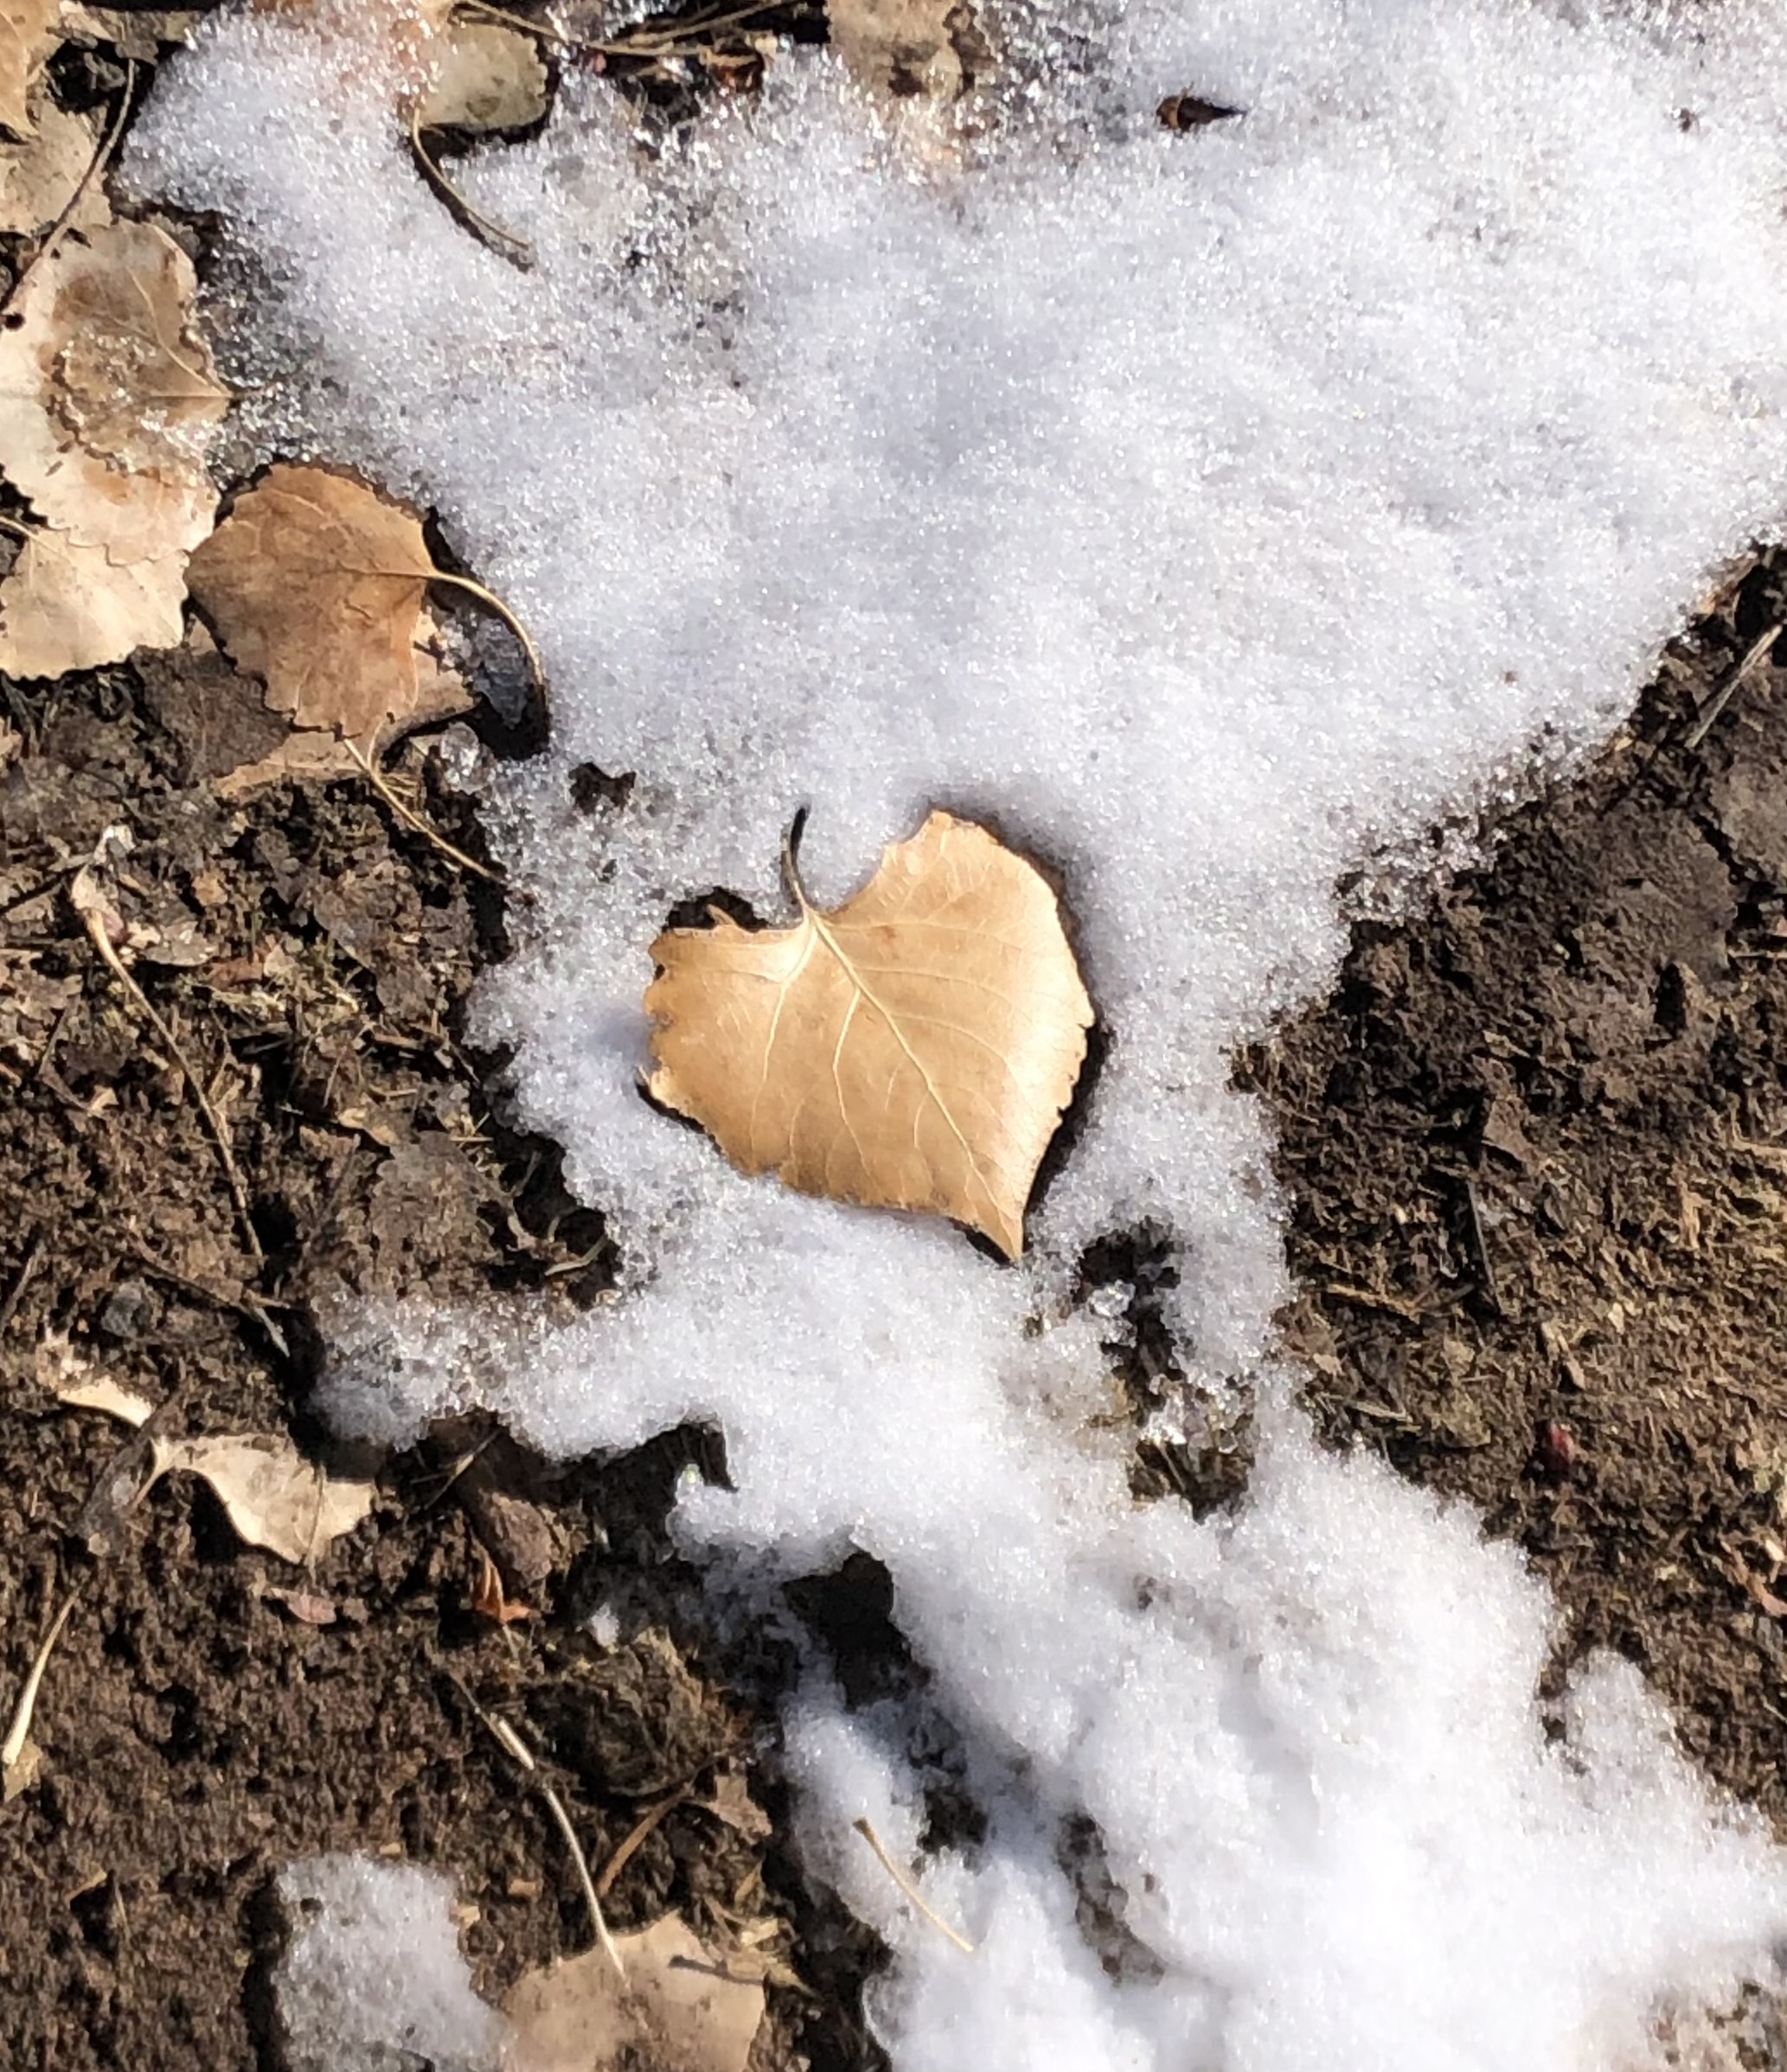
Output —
(1534, 1148)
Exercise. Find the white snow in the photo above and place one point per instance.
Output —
(372, 1976)
(1210, 512)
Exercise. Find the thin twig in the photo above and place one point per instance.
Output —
(520, 251)
(544, 30)
(1722, 696)
(491, 602)
(910, 1890)
(249, 1306)
(96, 932)
(95, 165)
(20, 1731)
(415, 819)
(1491, 1288)
(648, 1821)
(21, 1281)
(514, 1746)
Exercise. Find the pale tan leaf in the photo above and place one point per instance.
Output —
(912, 1050)
(65, 606)
(39, 176)
(676, 2010)
(313, 754)
(108, 396)
(274, 1497)
(29, 30)
(315, 584)
(108, 403)
(486, 77)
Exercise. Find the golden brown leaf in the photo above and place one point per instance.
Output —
(29, 30)
(315, 584)
(912, 1050)
(108, 403)
(677, 2008)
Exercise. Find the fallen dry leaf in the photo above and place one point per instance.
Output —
(486, 77)
(676, 2010)
(912, 1050)
(274, 1497)
(108, 403)
(315, 583)
(97, 1391)
(29, 30)
(40, 174)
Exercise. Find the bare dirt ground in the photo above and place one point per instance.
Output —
(1536, 1147)
(311, 957)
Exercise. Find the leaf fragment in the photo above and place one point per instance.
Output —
(29, 30)
(40, 174)
(315, 583)
(677, 2008)
(134, 32)
(913, 1049)
(908, 50)
(274, 1498)
(486, 77)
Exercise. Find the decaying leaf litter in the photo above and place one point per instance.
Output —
(174, 698)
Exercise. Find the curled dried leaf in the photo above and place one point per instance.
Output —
(315, 583)
(913, 1049)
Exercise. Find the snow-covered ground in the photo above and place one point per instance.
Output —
(1209, 512)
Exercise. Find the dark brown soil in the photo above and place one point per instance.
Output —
(1535, 1150)
(310, 957)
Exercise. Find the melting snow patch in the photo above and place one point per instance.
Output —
(1205, 511)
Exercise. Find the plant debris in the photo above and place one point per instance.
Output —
(678, 2008)
(911, 1049)
(487, 77)
(29, 31)
(316, 583)
(108, 403)
(274, 1496)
